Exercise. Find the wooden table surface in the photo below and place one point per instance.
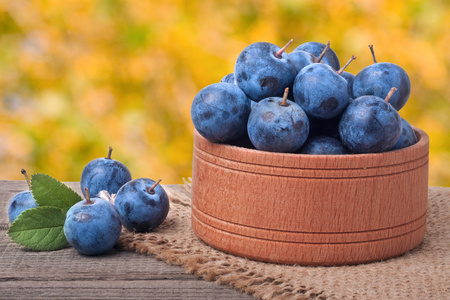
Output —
(66, 274)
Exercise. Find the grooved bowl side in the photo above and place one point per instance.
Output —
(310, 209)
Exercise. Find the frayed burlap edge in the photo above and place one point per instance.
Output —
(420, 274)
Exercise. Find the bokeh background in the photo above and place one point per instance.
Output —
(77, 76)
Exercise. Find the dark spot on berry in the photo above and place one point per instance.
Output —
(225, 115)
(114, 174)
(235, 110)
(127, 208)
(244, 56)
(132, 187)
(207, 115)
(297, 126)
(244, 76)
(373, 104)
(149, 201)
(231, 97)
(329, 104)
(269, 82)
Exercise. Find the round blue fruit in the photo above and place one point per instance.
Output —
(19, 203)
(370, 125)
(260, 73)
(104, 174)
(277, 128)
(94, 228)
(220, 112)
(379, 78)
(350, 78)
(407, 137)
(316, 48)
(141, 207)
(229, 78)
(320, 91)
(301, 59)
(323, 145)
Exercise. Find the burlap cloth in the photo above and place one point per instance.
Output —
(422, 273)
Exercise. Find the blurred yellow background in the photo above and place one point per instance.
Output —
(79, 75)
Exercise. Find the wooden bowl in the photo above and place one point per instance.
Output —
(310, 209)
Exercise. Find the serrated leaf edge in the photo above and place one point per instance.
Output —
(40, 246)
(61, 184)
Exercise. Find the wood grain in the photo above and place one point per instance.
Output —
(310, 209)
(65, 274)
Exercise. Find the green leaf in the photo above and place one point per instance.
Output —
(40, 228)
(47, 191)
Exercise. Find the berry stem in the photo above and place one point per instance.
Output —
(88, 196)
(324, 51)
(152, 188)
(109, 152)
(285, 95)
(280, 52)
(346, 65)
(373, 54)
(389, 95)
(26, 178)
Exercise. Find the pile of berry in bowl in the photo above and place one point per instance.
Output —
(304, 102)
(297, 161)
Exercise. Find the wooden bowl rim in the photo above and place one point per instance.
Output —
(293, 160)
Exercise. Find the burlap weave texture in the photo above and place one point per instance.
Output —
(422, 273)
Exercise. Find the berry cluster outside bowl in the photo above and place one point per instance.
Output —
(310, 209)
